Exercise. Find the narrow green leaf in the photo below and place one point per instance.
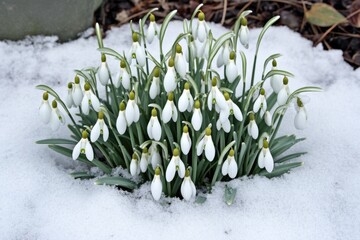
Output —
(81, 175)
(116, 181)
(99, 35)
(280, 170)
(111, 52)
(289, 157)
(56, 141)
(265, 28)
(278, 72)
(229, 195)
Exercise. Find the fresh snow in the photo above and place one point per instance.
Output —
(39, 200)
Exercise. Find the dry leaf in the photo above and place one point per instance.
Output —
(323, 15)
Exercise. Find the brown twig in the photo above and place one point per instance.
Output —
(224, 12)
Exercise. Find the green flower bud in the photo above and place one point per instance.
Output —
(132, 95)
(157, 171)
(285, 80)
(231, 153)
(265, 144)
(208, 131)
(232, 55)
(227, 96)
(152, 18)
(187, 86)
(103, 58)
(122, 106)
(77, 79)
(69, 85)
(251, 116)
(187, 173)
(145, 150)
(84, 134)
(101, 115)
(243, 21)
(45, 96)
(214, 82)
(201, 16)
(171, 96)
(156, 72)
(134, 156)
(176, 152)
(171, 62)
(197, 104)
(87, 86)
(135, 37)
(54, 104)
(262, 91)
(154, 112)
(299, 102)
(274, 63)
(122, 64)
(185, 129)
(178, 48)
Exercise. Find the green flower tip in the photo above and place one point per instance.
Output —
(54, 104)
(84, 134)
(176, 152)
(132, 95)
(157, 171)
(101, 115)
(171, 62)
(227, 96)
(187, 173)
(103, 58)
(122, 106)
(243, 21)
(185, 129)
(156, 72)
(265, 143)
(178, 48)
(274, 63)
(77, 79)
(45, 96)
(171, 96)
(134, 156)
(135, 37)
(87, 86)
(232, 55)
(187, 86)
(191, 38)
(214, 82)
(154, 112)
(285, 80)
(70, 85)
(208, 131)
(152, 18)
(251, 116)
(201, 16)
(299, 102)
(122, 64)
(231, 153)
(197, 104)
(262, 91)
(145, 150)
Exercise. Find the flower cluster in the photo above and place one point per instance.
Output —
(172, 118)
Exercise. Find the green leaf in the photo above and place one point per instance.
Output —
(266, 27)
(324, 15)
(99, 35)
(116, 181)
(289, 157)
(111, 52)
(229, 195)
(81, 175)
(244, 65)
(200, 199)
(56, 141)
(280, 170)
(165, 25)
(278, 72)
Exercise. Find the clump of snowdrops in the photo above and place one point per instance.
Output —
(182, 118)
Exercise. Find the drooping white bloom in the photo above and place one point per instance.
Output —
(99, 128)
(301, 115)
(253, 129)
(144, 161)
(84, 147)
(188, 189)
(232, 110)
(121, 122)
(216, 97)
(170, 77)
(77, 92)
(156, 185)
(155, 84)
(169, 111)
(186, 101)
(275, 80)
(193, 50)
(231, 69)
(137, 51)
(225, 125)
(224, 54)
(229, 166)
(185, 141)
(268, 118)
(152, 30)
(103, 71)
(132, 111)
(175, 165)
(154, 127)
(244, 33)
(69, 97)
(122, 77)
(207, 144)
(265, 158)
(45, 109)
(134, 165)
(56, 118)
(180, 62)
(201, 29)
(284, 93)
(260, 103)
(239, 88)
(196, 119)
(89, 99)
(155, 157)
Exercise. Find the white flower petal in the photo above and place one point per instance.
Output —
(85, 105)
(239, 89)
(257, 104)
(231, 71)
(77, 94)
(244, 36)
(183, 101)
(268, 118)
(225, 167)
(196, 119)
(201, 31)
(269, 161)
(180, 64)
(276, 83)
(155, 159)
(237, 112)
(156, 187)
(143, 163)
(150, 33)
(261, 159)
(153, 92)
(136, 112)
(186, 189)
(200, 147)
(156, 129)
(181, 170)
(170, 170)
(95, 132)
(300, 119)
(45, 112)
(105, 133)
(210, 149)
(185, 143)
(89, 152)
(169, 80)
(121, 122)
(103, 74)
(140, 55)
(282, 96)
(69, 99)
(133, 167)
(54, 121)
(167, 112)
(130, 113)
(95, 102)
(126, 79)
(76, 150)
(233, 168)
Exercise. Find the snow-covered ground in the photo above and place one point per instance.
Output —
(39, 200)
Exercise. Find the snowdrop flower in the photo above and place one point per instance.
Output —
(154, 127)
(77, 92)
(275, 81)
(216, 97)
(156, 185)
(264, 136)
(301, 115)
(206, 143)
(284, 92)
(193, 50)
(223, 56)
(201, 29)
(185, 141)
(253, 129)
(132, 112)
(180, 63)
(265, 158)
(123, 77)
(244, 33)
(83, 147)
(103, 71)
(196, 119)
(239, 88)
(225, 125)
(186, 101)
(121, 122)
(144, 161)
(260, 103)
(45, 109)
(69, 97)
(170, 77)
(268, 118)
(169, 111)
(89, 99)
(155, 84)
(232, 110)
(137, 51)
(99, 128)
(229, 166)
(56, 117)
(155, 157)
(188, 190)
(175, 165)
(134, 165)
(231, 69)
(152, 30)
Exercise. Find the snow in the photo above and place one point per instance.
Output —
(39, 200)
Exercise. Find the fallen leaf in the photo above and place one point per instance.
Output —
(323, 15)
